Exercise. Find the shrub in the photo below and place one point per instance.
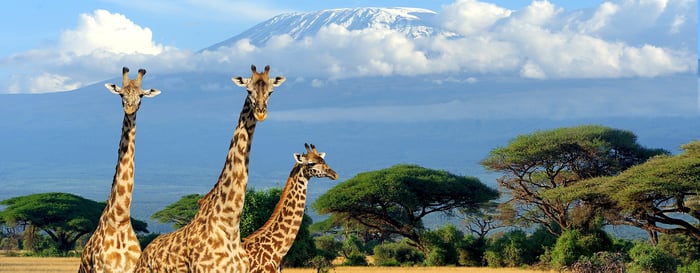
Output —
(471, 251)
(327, 247)
(442, 245)
(508, 250)
(693, 267)
(682, 247)
(601, 262)
(573, 244)
(146, 239)
(356, 259)
(649, 259)
(395, 254)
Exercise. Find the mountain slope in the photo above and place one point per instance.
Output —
(413, 22)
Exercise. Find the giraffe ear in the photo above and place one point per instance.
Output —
(113, 88)
(322, 155)
(278, 81)
(151, 93)
(299, 158)
(240, 81)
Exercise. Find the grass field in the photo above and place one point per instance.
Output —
(65, 265)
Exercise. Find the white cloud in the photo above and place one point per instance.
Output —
(471, 16)
(108, 32)
(540, 41)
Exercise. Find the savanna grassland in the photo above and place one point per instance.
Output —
(65, 265)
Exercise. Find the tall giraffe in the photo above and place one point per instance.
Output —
(113, 246)
(267, 246)
(211, 241)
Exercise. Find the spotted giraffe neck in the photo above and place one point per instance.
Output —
(118, 208)
(226, 197)
(285, 220)
(113, 247)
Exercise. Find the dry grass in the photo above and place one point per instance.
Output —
(38, 265)
(65, 265)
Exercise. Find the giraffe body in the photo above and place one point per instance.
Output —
(269, 244)
(113, 246)
(211, 241)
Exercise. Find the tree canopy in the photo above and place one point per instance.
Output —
(64, 217)
(179, 213)
(397, 199)
(558, 158)
(660, 195)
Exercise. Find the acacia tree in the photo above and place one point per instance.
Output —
(63, 217)
(660, 195)
(395, 200)
(179, 213)
(544, 160)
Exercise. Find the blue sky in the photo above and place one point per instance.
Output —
(64, 45)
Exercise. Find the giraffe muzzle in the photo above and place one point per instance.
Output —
(332, 175)
(260, 115)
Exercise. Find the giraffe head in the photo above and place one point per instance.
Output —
(259, 87)
(131, 91)
(313, 164)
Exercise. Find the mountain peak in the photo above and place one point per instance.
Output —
(414, 22)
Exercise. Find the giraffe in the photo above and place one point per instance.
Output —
(211, 241)
(267, 246)
(113, 246)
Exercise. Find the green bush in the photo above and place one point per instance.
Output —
(327, 247)
(508, 250)
(146, 239)
(574, 244)
(442, 245)
(649, 259)
(693, 267)
(684, 248)
(356, 259)
(471, 251)
(396, 254)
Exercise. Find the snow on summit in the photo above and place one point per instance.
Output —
(414, 22)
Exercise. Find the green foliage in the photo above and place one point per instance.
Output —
(328, 247)
(509, 250)
(321, 264)
(146, 239)
(647, 258)
(63, 217)
(179, 213)
(574, 244)
(560, 158)
(356, 259)
(396, 199)
(682, 247)
(660, 195)
(442, 245)
(693, 267)
(258, 207)
(471, 251)
(397, 254)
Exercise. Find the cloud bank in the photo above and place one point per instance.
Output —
(541, 41)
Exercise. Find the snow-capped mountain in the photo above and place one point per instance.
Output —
(414, 22)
